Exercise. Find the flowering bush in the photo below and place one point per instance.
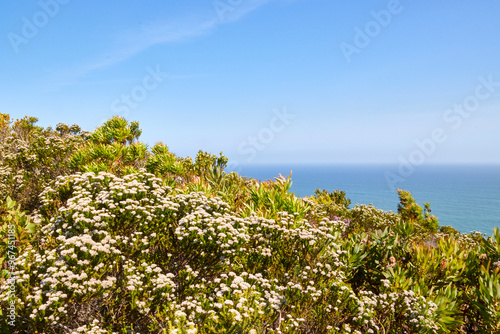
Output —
(118, 254)
(162, 245)
(31, 157)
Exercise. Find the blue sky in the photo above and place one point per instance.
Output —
(265, 81)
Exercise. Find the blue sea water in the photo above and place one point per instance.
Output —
(467, 197)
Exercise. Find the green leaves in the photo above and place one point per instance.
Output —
(164, 163)
(206, 162)
(17, 232)
(336, 197)
(192, 247)
(112, 147)
(411, 211)
(487, 300)
(32, 156)
(271, 197)
(116, 130)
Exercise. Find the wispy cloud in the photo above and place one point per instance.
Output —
(134, 41)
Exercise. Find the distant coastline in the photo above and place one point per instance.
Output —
(465, 196)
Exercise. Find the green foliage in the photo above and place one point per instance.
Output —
(361, 218)
(270, 198)
(336, 197)
(149, 242)
(206, 162)
(4, 125)
(367, 218)
(230, 187)
(16, 232)
(411, 211)
(487, 301)
(446, 229)
(116, 130)
(165, 164)
(113, 148)
(31, 157)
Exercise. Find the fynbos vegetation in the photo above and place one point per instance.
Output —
(101, 234)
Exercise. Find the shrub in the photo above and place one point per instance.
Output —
(165, 245)
(112, 147)
(31, 157)
(411, 211)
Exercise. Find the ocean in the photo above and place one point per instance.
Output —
(467, 197)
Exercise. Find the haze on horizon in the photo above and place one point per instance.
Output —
(265, 81)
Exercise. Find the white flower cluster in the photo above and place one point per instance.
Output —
(29, 160)
(231, 298)
(419, 312)
(92, 328)
(186, 262)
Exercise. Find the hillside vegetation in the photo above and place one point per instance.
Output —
(103, 234)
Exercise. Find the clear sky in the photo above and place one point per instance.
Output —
(265, 81)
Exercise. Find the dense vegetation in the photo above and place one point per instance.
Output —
(101, 234)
